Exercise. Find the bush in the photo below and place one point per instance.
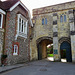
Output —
(4, 56)
(3, 59)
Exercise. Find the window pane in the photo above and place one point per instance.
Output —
(61, 18)
(22, 25)
(45, 20)
(42, 21)
(0, 20)
(20, 20)
(64, 18)
(15, 49)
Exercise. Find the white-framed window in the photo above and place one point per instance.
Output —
(15, 50)
(22, 26)
(1, 20)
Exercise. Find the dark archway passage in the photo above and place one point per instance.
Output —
(42, 48)
(66, 51)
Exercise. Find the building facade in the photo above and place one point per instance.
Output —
(14, 32)
(54, 24)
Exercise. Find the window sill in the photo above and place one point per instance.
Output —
(22, 35)
(15, 54)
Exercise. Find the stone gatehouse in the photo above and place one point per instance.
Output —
(54, 24)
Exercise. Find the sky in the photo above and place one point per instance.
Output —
(32, 4)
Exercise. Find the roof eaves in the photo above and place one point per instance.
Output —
(19, 2)
(2, 11)
(16, 4)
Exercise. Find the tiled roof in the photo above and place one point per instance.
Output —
(5, 5)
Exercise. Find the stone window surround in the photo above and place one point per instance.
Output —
(63, 18)
(1, 20)
(20, 33)
(44, 21)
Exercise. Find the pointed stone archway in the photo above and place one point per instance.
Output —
(42, 46)
(65, 49)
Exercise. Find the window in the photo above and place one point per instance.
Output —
(46, 21)
(1, 20)
(42, 21)
(21, 27)
(15, 51)
(20, 24)
(61, 18)
(64, 18)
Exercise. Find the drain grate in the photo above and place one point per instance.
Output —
(43, 69)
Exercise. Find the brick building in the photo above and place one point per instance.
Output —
(14, 32)
(54, 24)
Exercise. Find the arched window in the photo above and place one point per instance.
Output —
(42, 21)
(61, 18)
(46, 21)
(64, 18)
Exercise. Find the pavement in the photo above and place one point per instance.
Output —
(40, 67)
(7, 68)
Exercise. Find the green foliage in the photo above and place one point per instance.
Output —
(50, 55)
(50, 51)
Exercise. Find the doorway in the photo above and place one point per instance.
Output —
(42, 48)
(65, 51)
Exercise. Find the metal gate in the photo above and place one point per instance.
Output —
(66, 46)
(39, 52)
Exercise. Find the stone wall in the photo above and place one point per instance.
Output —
(1, 42)
(11, 27)
(39, 31)
(54, 28)
(2, 31)
(54, 8)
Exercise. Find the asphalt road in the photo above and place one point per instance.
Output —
(44, 67)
